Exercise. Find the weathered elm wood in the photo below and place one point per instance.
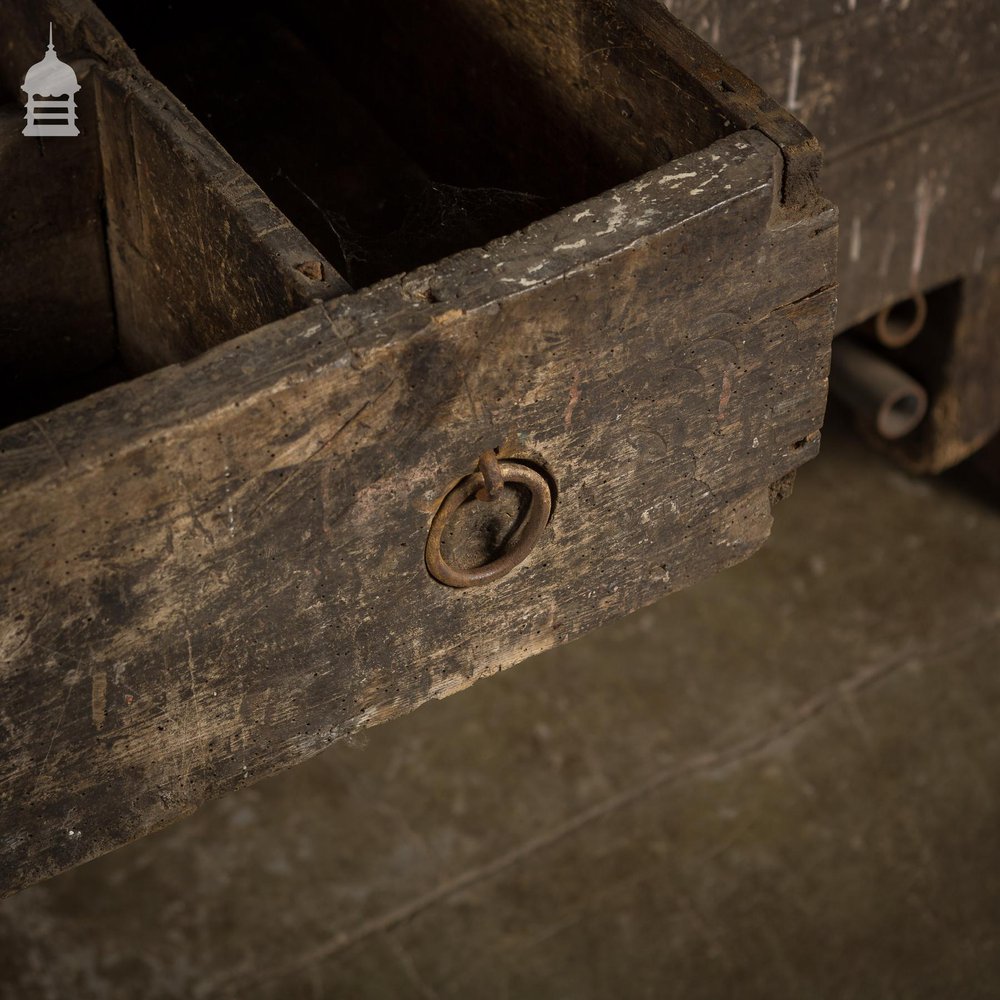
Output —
(744, 103)
(741, 28)
(214, 571)
(590, 126)
(620, 87)
(197, 252)
(56, 310)
(921, 209)
(857, 76)
(918, 209)
(362, 197)
(614, 90)
(903, 97)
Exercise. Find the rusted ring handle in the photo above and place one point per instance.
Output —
(489, 469)
(538, 517)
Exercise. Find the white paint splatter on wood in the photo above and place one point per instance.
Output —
(923, 206)
(617, 215)
(794, 69)
(666, 178)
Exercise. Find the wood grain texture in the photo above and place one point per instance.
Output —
(918, 210)
(593, 122)
(624, 85)
(616, 89)
(431, 150)
(56, 311)
(744, 103)
(903, 97)
(197, 252)
(212, 572)
(388, 182)
(859, 71)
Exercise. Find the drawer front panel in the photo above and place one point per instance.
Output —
(216, 570)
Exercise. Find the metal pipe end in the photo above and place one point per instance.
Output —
(882, 395)
(898, 324)
(901, 412)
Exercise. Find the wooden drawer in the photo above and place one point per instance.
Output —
(215, 566)
(900, 95)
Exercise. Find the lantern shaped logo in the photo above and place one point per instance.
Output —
(51, 87)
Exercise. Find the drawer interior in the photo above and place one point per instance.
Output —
(389, 134)
(57, 318)
(343, 132)
(396, 132)
(135, 245)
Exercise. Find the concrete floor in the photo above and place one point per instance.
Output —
(783, 783)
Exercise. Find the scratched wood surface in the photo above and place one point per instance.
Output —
(904, 97)
(430, 153)
(215, 571)
(180, 213)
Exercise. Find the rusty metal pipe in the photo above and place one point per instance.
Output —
(882, 396)
(898, 324)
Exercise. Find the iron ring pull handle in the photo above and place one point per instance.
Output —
(486, 485)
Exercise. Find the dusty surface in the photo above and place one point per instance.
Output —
(236, 544)
(782, 783)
